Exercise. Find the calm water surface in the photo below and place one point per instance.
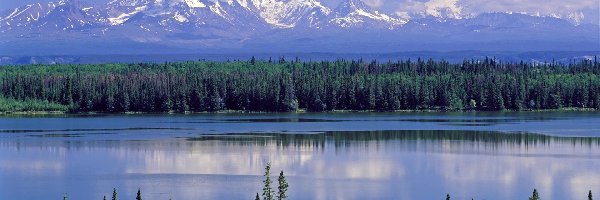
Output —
(325, 156)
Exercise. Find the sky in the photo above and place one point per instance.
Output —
(589, 9)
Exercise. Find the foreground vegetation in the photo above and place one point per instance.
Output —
(282, 86)
(268, 192)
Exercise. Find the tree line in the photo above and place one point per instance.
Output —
(283, 86)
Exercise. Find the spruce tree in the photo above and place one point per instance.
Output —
(139, 195)
(267, 190)
(65, 197)
(114, 195)
(104, 197)
(447, 196)
(590, 195)
(283, 186)
(535, 195)
(257, 197)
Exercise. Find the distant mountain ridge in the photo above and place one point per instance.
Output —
(124, 26)
(565, 57)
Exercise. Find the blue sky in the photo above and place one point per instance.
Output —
(589, 9)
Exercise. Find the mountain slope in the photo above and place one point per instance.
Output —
(274, 25)
(355, 13)
(61, 15)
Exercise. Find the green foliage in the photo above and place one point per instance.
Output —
(284, 86)
(456, 103)
(282, 188)
(535, 195)
(30, 105)
(268, 193)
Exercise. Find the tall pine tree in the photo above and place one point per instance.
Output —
(139, 195)
(114, 194)
(283, 186)
(267, 189)
(535, 195)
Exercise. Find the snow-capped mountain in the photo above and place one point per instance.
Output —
(290, 13)
(168, 13)
(277, 25)
(355, 13)
(61, 15)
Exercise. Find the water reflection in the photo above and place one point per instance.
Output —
(320, 165)
(426, 119)
(346, 138)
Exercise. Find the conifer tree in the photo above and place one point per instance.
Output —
(139, 195)
(267, 189)
(447, 196)
(535, 195)
(283, 186)
(114, 194)
(257, 197)
(590, 195)
(314, 86)
(65, 197)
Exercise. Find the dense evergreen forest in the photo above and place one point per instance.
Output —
(282, 86)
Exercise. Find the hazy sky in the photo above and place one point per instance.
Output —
(589, 8)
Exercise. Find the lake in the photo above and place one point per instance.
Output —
(324, 155)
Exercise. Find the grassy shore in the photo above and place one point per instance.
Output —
(38, 107)
(31, 107)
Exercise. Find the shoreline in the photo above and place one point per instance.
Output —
(32, 113)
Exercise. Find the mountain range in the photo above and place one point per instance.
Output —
(242, 26)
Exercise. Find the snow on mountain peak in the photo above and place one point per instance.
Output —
(195, 16)
(288, 13)
(440, 9)
(356, 13)
(195, 4)
(61, 15)
(120, 19)
(444, 9)
(576, 17)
